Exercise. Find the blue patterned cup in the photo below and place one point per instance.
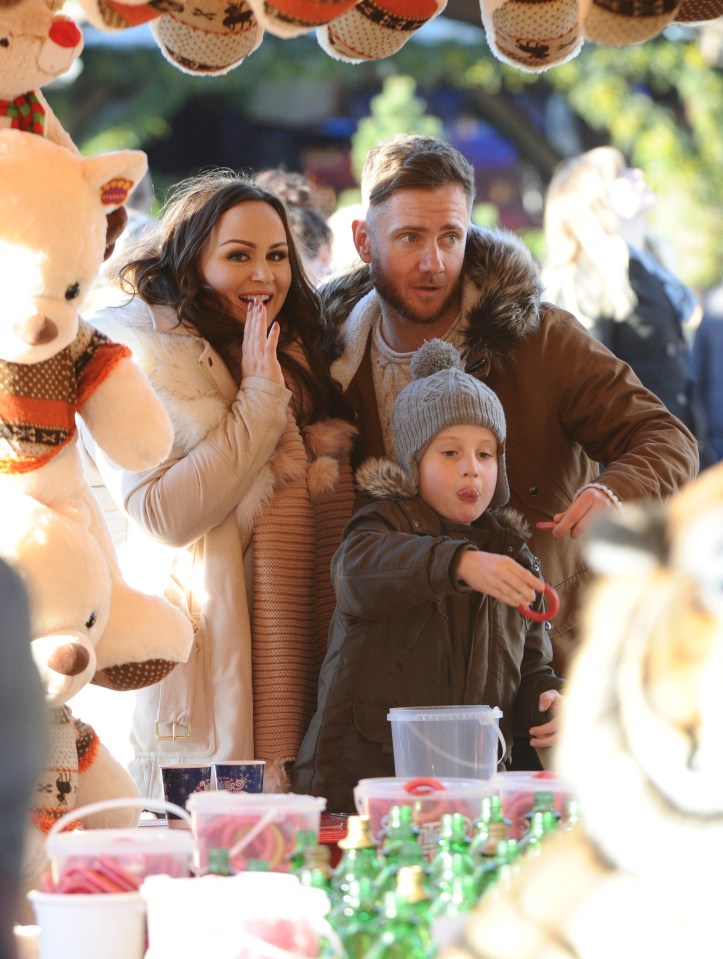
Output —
(181, 781)
(243, 776)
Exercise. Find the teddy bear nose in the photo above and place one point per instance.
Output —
(69, 659)
(36, 330)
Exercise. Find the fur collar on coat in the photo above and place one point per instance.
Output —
(501, 298)
(170, 355)
(383, 479)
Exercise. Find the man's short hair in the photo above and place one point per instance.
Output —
(413, 162)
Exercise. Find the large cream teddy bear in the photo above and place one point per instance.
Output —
(69, 588)
(53, 366)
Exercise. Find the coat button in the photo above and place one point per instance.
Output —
(671, 349)
(548, 624)
(509, 549)
(534, 491)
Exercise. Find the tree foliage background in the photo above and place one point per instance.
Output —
(661, 102)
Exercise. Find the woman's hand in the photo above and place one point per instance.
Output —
(258, 354)
(498, 576)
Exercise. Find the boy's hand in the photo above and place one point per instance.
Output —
(546, 734)
(498, 576)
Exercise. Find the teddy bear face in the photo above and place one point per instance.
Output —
(68, 585)
(53, 206)
(36, 46)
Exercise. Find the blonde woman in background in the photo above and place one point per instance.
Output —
(599, 265)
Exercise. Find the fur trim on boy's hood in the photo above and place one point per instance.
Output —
(504, 308)
(382, 479)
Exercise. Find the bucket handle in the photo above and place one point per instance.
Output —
(137, 802)
(462, 762)
(421, 785)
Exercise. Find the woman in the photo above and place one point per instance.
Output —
(249, 507)
(599, 265)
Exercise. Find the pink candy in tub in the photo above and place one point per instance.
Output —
(115, 860)
(428, 797)
(253, 827)
(519, 791)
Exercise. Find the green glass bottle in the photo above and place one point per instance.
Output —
(413, 892)
(498, 868)
(400, 847)
(453, 841)
(488, 830)
(304, 838)
(457, 888)
(355, 918)
(219, 862)
(572, 814)
(544, 801)
(542, 822)
(359, 857)
(316, 871)
(402, 934)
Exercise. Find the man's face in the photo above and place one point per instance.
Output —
(415, 244)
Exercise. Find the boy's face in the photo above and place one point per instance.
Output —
(458, 472)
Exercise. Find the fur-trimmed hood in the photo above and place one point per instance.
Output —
(501, 299)
(383, 479)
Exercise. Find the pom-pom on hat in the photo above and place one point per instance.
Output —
(441, 394)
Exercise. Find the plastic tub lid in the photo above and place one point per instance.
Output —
(221, 801)
(412, 714)
(394, 787)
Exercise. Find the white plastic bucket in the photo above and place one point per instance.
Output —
(253, 915)
(446, 741)
(78, 926)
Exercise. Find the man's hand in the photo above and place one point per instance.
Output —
(498, 576)
(577, 519)
(546, 734)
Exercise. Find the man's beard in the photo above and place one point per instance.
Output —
(385, 290)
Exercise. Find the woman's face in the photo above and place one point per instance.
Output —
(247, 256)
(631, 195)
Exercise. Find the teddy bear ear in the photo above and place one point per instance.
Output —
(115, 175)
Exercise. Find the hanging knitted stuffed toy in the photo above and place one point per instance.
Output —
(38, 46)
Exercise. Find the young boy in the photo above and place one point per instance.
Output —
(428, 582)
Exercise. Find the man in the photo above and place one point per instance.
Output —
(570, 404)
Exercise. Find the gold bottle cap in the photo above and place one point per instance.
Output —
(358, 834)
(410, 884)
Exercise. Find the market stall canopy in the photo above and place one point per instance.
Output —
(214, 36)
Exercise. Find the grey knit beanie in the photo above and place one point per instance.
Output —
(441, 394)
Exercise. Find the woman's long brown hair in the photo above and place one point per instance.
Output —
(165, 271)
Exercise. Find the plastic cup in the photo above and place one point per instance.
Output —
(242, 776)
(181, 781)
(79, 926)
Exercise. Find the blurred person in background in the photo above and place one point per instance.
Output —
(23, 743)
(708, 367)
(306, 216)
(600, 265)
